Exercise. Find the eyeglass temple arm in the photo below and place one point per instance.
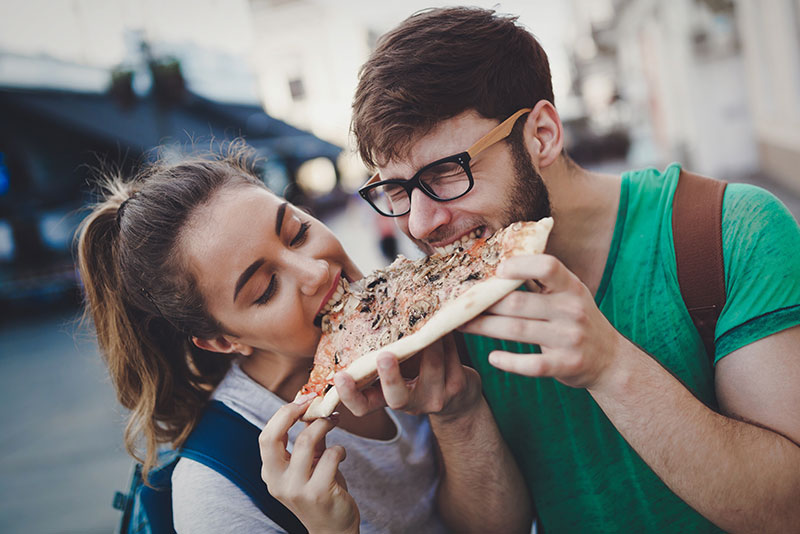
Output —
(501, 131)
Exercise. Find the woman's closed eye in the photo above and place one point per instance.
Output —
(301, 236)
(271, 289)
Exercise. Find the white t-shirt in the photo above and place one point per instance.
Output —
(393, 482)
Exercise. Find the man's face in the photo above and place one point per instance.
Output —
(507, 187)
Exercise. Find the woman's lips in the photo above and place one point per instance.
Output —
(329, 294)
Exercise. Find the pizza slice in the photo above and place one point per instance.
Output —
(408, 305)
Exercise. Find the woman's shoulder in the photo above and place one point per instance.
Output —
(203, 500)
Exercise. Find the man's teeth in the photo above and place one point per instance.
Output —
(464, 243)
(337, 295)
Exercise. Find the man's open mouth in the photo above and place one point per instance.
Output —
(462, 243)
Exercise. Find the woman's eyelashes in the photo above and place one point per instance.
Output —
(271, 289)
(301, 236)
(297, 240)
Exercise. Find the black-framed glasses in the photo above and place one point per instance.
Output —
(445, 179)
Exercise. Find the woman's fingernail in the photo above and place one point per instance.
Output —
(302, 399)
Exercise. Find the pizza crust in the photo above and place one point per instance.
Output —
(450, 316)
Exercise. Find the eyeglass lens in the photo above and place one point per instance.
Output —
(445, 181)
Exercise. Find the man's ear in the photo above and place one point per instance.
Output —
(544, 134)
(223, 344)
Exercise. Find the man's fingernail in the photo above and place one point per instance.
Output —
(302, 399)
(384, 363)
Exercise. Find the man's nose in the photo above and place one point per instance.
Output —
(426, 215)
(312, 275)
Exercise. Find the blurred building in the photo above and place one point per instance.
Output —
(714, 84)
(306, 55)
(770, 31)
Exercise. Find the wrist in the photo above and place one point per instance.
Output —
(616, 377)
(464, 403)
(463, 421)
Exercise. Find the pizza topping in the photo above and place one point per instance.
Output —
(490, 254)
(389, 335)
(375, 280)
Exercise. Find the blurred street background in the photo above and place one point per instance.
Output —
(713, 84)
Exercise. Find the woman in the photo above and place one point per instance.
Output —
(203, 284)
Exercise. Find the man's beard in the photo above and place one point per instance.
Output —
(528, 199)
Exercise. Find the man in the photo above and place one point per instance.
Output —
(601, 386)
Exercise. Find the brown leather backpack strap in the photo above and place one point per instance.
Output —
(697, 234)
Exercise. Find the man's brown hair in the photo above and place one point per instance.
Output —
(437, 64)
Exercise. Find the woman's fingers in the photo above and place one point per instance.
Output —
(272, 440)
(309, 447)
(328, 466)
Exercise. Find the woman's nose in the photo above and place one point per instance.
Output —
(314, 274)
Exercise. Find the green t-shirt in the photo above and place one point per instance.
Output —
(583, 476)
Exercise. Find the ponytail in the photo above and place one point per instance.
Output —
(144, 308)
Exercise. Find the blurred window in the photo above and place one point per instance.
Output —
(297, 89)
(57, 230)
(6, 242)
(317, 176)
(5, 178)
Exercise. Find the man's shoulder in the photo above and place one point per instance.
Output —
(746, 200)
(752, 216)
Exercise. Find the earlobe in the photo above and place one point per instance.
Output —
(222, 345)
(544, 133)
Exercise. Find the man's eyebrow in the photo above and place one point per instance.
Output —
(279, 218)
(245, 276)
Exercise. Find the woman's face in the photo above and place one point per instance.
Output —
(265, 268)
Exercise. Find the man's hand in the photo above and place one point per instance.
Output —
(443, 386)
(578, 343)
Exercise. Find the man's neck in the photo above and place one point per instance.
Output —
(584, 207)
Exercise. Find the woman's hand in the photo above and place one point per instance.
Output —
(307, 481)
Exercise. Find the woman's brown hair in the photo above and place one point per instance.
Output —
(144, 302)
(437, 64)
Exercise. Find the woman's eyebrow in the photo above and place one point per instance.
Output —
(279, 218)
(246, 275)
